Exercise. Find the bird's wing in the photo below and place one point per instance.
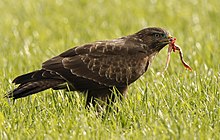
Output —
(109, 63)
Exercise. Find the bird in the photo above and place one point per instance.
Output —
(96, 68)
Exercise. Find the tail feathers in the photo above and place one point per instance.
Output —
(33, 87)
(24, 78)
(35, 76)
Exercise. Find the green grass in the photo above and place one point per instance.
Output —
(178, 105)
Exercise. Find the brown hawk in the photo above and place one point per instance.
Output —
(95, 68)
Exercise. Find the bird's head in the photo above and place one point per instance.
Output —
(154, 38)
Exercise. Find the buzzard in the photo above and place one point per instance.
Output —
(96, 68)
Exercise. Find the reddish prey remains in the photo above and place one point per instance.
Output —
(173, 47)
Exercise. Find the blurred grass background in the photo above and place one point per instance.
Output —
(180, 105)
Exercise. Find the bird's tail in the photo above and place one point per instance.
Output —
(34, 82)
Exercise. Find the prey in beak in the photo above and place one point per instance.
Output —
(174, 47)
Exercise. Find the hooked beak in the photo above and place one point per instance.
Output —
(166, 40)
(163, 42)
(170, 38)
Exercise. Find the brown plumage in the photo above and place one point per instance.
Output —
(96, 68)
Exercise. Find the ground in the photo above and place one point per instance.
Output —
(178, 105)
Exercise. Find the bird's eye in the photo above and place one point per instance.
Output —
(156, 35)
(163, 35)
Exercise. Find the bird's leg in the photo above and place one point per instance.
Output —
(101, 98)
